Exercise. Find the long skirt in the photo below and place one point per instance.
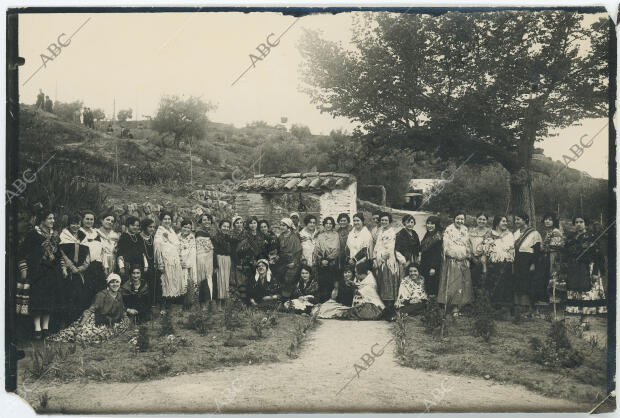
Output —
(475, 269)
(288, 280)
(413, 309)
(583, 295)
(499, 283)
(366, 311)
(387, 282)
(327, 277)
(44, 291)
(95, 275)
(223, 276)
(525, 285)
(455, 283)
(89, 332)
(239, 282)
(173, 280)
(204, 272)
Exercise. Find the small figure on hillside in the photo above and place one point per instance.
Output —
(40, 100)
(49, 106)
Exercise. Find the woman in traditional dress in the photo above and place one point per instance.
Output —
(498, 252)
(376, 226)
(252, 246)
(290, 257)
(308, 237)
(585, 265)
(344, 228)
(326, 255)
(455, 285)
(151, 276)
(237, 233)
(204, 259)
(89, 236)
(272, 239)
(387, 263)
(359, 238)
(527, 249)
(367, 304)
(136, 296)
(551, 248)
(167, 257)
(476, 236)
(411, 295)
(223, 250)
(430, 255)
(75, 289)
(306, 293)
(41, 268)
(109, 239)
(106, 317)
(264, 290)
(187, 245)
(407, 241)
(130, 249)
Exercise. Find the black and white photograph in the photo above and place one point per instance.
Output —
(299, 209)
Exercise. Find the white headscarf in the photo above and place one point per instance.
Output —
(266, 263)
(288, 222)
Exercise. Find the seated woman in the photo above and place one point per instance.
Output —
(411, 295)
(135, 294)
(345, 287)
(306, 293)
(264, 290)
(366, 302)
(103, 320)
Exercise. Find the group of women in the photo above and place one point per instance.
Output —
(96, 277)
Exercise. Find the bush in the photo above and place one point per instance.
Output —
(144, 342)
(556, 351)
(433, 316)
(482, 315)
(167, 328)
(200, 321)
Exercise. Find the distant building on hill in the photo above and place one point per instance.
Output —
(273, 197)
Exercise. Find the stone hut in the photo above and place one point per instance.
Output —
(273, 197)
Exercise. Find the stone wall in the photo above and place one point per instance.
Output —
(339, 201)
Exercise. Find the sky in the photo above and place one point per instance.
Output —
(129, 60)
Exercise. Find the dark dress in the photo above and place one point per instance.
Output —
(430, 248)
(44, 271)
(260, 288)
(524, 280)
(238, 281)
(583, 295)
(290, 253)
(151, 276)
(75, 290)
(107, 309)
(95, 273)
(408, 244)
(248, 250)
(137, 299)
(131, 248)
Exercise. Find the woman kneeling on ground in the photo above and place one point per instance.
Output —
(306, 294)
(264, 290)
(105, 318)
(135, 294)
(411, 295)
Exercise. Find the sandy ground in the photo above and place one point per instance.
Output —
(324, 378)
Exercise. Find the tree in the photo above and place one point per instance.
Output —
(99, 114)
(300, 131)
(182, 118)
(66, 111)
(491, 84)
(124, 114)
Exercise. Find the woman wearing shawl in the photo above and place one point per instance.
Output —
(527, 249)
(187, 246)
(476, 236)
(41, 268)
(204, 259)
(344, 227)
(585, 265)
(167, 257)
(290, 257)
(411, 295)
(109, 239)
(130, 249)
(367, 304)
(238, 282)
(135, 294)
(89, 236)
(223, 250)
(308, 237)
(306, 293)
(147, 232)
(273, 243)
(359, 238)
(455, 285)
(326, 256)
(498, 253)
(264, 290)
(76, 288)
(407, 240)
(252, 245)
(552, 245)
(430, 255)
(387, 262)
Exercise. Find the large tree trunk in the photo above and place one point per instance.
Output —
(521, 196)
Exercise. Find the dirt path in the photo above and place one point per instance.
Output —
(323, 378)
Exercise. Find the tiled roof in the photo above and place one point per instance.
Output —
(296, 182)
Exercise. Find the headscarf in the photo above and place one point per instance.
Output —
(268, 273)
(235, 219)
(113, 276)
(293, 214)
(288, 222)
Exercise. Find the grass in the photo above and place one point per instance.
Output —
(506, 358)
(187, 351)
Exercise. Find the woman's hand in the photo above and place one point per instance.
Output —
(64, 272)
(431, 272)
(253, 302)
(132, 311)
(325, 263)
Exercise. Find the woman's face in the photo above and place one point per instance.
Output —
(48, 222)
(205, 221)
(459, 220)
(385, 221)
(136, 274)
(107, 222)
(329, 225)
(343, 222)
(114, 285)
(430, 227)
(357, 222)
(264, 228)
(166, 221)
(74, 228)
(134, 228)
(305, 274)
(580, 224)
(311, 225)
(225, 226)
(186, 229)
(481, 221)
(253, 225)
(261, 268)
(410, 224)
(88, 220)
(376, 219)
(413, 272)
(150, 229)
(347, 274)
(519, 222)
(503, 224)
(238, 225)
(548, 222)
(283, 228)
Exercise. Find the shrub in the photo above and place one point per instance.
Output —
(556, 351)
(143, 342)
(232, 310)
(433, 316)
(200, 321)
(482, 314)
(167, 328)
(258, 322)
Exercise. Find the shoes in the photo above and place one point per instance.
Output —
(38, 335)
